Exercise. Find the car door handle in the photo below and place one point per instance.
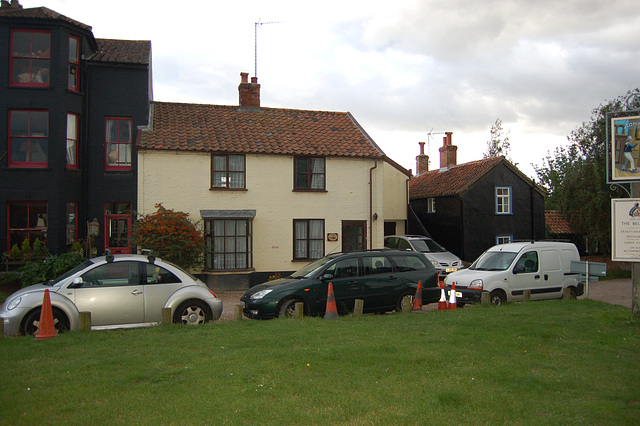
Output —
(392, 277)
(537, 277)
(136, 292)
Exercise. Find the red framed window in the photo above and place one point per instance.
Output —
(72, 140)
(30, 58)
(118, 143)
(27, 220)
(28, 138)
(72, 222)
(74, 63)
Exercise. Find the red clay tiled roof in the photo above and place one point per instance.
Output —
(122, 51)
(451, 181)
(556, 222)
(39, 13)
(218, 128)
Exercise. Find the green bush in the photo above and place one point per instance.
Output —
(51, 267)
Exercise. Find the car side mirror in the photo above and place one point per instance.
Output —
(326, 277)
(518, 270)
(77, 283)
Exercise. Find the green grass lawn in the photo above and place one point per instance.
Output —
(553, 362)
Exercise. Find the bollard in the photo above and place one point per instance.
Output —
(298, 312)
(358, 308)
(406, 304)
(85, 321)
(566, 294)
(166, 315)
(238, 312)
(485, 298)
(526, 296)
(1, 329)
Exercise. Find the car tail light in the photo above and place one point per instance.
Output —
(214, 295)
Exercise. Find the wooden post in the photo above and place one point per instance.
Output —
(406, 304)
(85, 321)
(238, 312)
(566, 294)
(526, 296)
(166, 315)
(1, 329)
(358, 308)
(298, 312)
(635, 270)
(485, 298)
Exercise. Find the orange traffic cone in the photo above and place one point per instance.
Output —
(452, 297)
(46, 329)
(442, 303)
(331, 312)
(417, 299)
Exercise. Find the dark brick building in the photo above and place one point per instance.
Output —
(70, 109)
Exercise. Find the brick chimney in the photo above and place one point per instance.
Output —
(249, 93)
(422, 161)
(448, 152)
(15, 4)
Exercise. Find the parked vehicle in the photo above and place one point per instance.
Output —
(444, 261)
(507, 270)
(120, 291)
(382, 278)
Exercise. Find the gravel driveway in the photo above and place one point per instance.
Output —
(617, 292)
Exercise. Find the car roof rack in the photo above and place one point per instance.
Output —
(149, 254)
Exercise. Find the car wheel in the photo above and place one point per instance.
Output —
(192, 312)
(32, 321)
(404, 294)
(288, 308)
(498, 297)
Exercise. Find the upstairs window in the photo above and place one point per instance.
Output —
(431, 205)
(309, 174)
(228, 171)
(118, 144)
(30, 58)
(28, 138)
(503, 200)
(74, 63)
(72, 141)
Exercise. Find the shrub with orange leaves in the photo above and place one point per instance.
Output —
(171, 235)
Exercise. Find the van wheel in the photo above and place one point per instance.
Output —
(498, 297)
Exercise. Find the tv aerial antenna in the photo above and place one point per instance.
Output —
(255, 29)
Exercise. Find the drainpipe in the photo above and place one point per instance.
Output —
(375, 165)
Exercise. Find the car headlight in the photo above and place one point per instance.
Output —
(260, 294)
(435, 263)
(476, 285)
(14, 303)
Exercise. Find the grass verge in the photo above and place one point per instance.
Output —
(552, 362)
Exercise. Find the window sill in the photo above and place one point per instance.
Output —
(223, 189)
(309, 190)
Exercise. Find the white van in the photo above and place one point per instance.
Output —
(507, 270)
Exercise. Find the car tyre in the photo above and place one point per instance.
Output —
(192, 312)
(32, 320)
(410, 293)
(498, 297)
(288, 308)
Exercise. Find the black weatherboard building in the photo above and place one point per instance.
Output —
(472, 206)
(70, 109)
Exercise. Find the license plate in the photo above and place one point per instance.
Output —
(458, 293)
(451, 270)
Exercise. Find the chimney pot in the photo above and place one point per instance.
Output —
(421, 148)
(245, 77)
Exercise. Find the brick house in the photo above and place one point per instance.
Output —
(70, 106)
(275, 188)
(472, 206)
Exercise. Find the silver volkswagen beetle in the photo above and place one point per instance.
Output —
(120, 291)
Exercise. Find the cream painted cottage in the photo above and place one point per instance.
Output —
(275, 188)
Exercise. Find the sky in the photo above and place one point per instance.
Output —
(407, 70)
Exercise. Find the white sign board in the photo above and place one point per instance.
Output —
(625, 229)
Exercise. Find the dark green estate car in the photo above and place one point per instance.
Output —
(382, 278)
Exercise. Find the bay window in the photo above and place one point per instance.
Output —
(30, 58)
(28, 138)
(72, 141)
(74, 63)
(28, 220)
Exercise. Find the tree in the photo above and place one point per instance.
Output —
(171, 236)
(576, 178)
(499, 144)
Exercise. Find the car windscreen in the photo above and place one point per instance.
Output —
(427, 246)
(493, 261)
(70, 272)
(308, 270)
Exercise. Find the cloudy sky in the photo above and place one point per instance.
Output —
(408, 70)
